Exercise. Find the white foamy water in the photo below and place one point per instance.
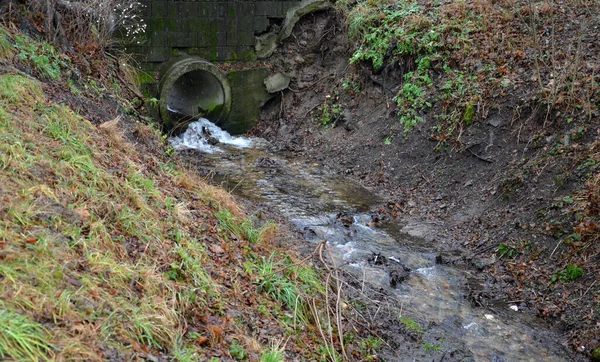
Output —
(197, 133)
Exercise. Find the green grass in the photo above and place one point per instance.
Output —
(412, 325)
(273, 354)
(431, 348)
(106, 246)
(6, 48)
(244, 229)
(22, 338)
(18, 89)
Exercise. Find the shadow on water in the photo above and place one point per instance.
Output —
(328, 207)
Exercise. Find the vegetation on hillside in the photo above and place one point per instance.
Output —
(460, 58)
(111, 251)
(534, 67)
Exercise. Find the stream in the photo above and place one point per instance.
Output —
(328, 207)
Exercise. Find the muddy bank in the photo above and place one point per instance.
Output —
(497, 201)
(395, 284)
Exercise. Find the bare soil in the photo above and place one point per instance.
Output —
(499, 203)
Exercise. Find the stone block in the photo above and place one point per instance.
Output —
(160, 9)
(221, 9)
(244, 38)
(158, 54)
(287, 5)
(190, 9)
(245, 17)
(159, 39)
(261, 24)
(172, 10)
(204, 11)
(274, 9)
(263, 8)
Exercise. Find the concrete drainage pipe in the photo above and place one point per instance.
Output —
(189, 88)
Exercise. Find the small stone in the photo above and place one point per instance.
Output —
(489, 316)
(514, 307)
(277, 82)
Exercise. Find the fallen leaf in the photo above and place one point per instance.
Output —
(201, 340)
(217, 249)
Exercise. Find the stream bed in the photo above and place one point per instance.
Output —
(327, 207)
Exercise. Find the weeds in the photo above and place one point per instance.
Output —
(411, 325)
(21, 338)
(569, 274)
(44, 57)
(431, 348)
(273, 354)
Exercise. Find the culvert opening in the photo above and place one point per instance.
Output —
(192, 88)
(196, 94)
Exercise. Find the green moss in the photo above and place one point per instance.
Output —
(596, 355)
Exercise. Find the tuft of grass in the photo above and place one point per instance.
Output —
(431, 348)
(7, 50)
(411, 325)
(22, 338)
(275, 353)
(18, 89)
(244, 229)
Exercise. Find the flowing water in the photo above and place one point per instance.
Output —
(327, 207)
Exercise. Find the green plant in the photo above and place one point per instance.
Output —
(506, 250)
(6, 48)
(329, 113)
(21, 338)
(411, 325)
(153, 102)
(388, 140)
(569, 274)
(244, 229)
(43, 57)
(370, 345)
(275, 353)
(276, 285)
(431, 348)
(237, 351)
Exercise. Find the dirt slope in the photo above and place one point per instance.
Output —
(503, 176)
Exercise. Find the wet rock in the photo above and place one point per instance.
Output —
(377, 259)
(212, 141)
(266, 163)
(344, 220)
(398, 272)
(398, 275)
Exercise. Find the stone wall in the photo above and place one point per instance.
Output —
(213, 30)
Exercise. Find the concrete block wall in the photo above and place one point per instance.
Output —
(214, 30)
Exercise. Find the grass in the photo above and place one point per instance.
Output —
(62, 204)
(412, 325)
(130, 237)
(6, 48)
(244, 229)
(273, 354)
(22, 338)
(108, 248)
